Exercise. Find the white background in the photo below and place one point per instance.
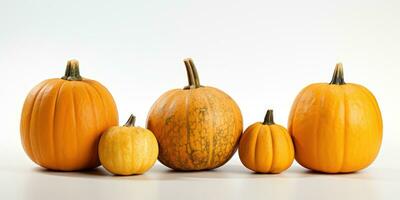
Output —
(262, 53)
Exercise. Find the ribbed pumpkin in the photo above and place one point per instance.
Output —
(198, 127)
(128, 150)
(63, 118)
(266, 147)
(336, 127)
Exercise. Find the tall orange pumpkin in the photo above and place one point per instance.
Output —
(336, 127)
(63, 118)
(198, 127)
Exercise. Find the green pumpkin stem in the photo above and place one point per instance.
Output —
(131, 121)
(193, 76)
(72, 71)
(269, 118)
(338, 75)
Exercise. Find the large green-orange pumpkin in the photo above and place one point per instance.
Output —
(198, 127)
(336, 127)
(63, 118)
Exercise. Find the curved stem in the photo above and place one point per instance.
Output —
(269, 118)
(131, 121)
(338, 75)
(193, 76)
(196, 75)
(189, 71)
(72, 71)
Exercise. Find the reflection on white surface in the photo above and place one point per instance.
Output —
(229, 182)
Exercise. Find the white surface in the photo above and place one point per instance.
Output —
(262, 53)
(229, 182)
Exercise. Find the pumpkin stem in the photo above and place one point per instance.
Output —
(189, 73)
(196, 75)
(269, 118)
(131, 121)
(338, 75)
(193, 76)
(72, 71)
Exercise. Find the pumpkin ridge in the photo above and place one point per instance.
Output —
(234, 105)
(289, 143)
(367, 93)
(273, 157)
(212, 93)
(259, 130)
(210, 136)
(34, 157)
(75, 122)
(96, 85)
(211, 98)
(345, 130)
(188, 147)
(98, 93)
(234, 111)
(88, 89)
(54, 124)
(140, 165)
(94, 113)
(167, 98)
(295, 106)
(243, 142)
(316, 129)
(295, 109)
(166, 117)
(36, 112)
(278, 159)
(144, 163)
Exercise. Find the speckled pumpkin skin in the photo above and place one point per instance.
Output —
(197, 129)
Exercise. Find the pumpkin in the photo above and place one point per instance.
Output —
(197, 127)
(62, 120)
(128, 150)
(266, 147)
(336, 127)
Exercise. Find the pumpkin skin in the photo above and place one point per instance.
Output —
(198, 127)
(128, 150)
(266, 147)
(336, 127)
(62, 120)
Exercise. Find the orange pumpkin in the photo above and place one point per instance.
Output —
(198, 127)
(336, 127)
(266, 147)
(63, 118)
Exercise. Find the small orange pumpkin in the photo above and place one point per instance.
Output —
(266, 147)
(63, 118)
(128, 150)
(198, 127)
(336, 127)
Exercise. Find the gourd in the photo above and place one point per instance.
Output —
(336, 127)
(62, 120)
(128, 150)
(266, 147)
(197, 127)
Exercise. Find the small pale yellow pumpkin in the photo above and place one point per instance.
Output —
(128, 150)
(266, 147)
